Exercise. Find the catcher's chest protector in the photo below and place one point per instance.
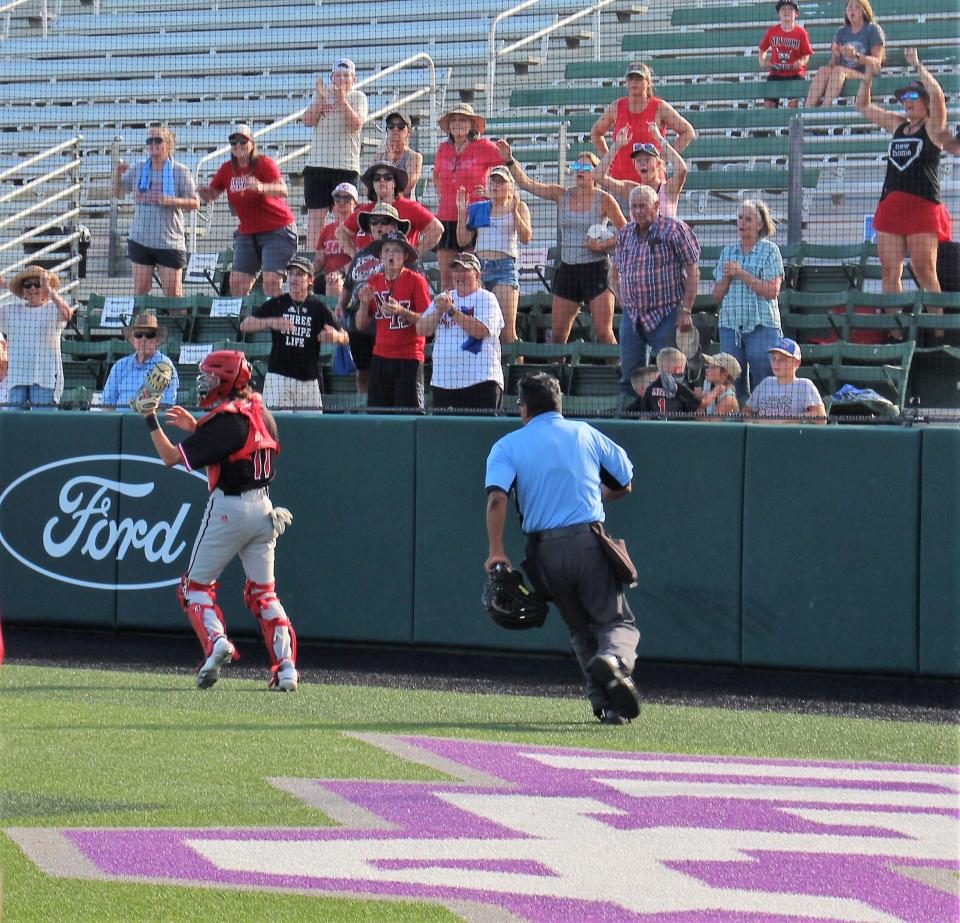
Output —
(258, 436)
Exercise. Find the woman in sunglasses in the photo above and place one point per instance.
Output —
(396, 149)
(385, 182)
(163, 190)
(650, 159)
(266, 239)
(330, 257)
(911, 218)
(127, 375)
(32, 324)
(581, 276)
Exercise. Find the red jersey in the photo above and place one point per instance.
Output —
(466, 170)
(622, 166)
(418, 216)
(328, 243)
(397, 337)
(257, 212)
(788, 48)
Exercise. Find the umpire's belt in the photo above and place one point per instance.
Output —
(563, 531)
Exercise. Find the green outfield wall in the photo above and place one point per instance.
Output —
(823, 548)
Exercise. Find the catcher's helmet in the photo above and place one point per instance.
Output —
(222, 372)
(510, 603)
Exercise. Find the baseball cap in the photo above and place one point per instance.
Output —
(646, 147)
(726, 362)
(794, 3)
(638, 67)
(347, 189)
(466, 261)
(242, 129)
(503, 172)
(344, 64)
(786, 346)
(915, 87)
(301, 262)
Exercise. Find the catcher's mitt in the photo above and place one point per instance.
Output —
(158, 379)
(510, 604)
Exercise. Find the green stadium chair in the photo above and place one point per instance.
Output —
(594, 405)
(812, 328)
(885, 369)
(873, 318)
(837, 269)
(930, 322)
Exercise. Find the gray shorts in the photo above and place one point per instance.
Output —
(268, 250)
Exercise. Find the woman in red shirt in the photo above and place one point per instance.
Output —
(330, 256)
(636, 111)
(267, 237)
(463, 161)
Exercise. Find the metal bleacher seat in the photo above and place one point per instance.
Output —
(823, 11)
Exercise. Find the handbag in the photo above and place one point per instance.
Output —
(616, 550)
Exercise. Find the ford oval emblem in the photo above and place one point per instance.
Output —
(64, 518)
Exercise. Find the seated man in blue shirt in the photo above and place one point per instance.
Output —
(127, 375)
(563, 471)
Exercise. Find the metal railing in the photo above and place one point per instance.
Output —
(7, 12)
(66, 218)
(419, 59)
(495, 53)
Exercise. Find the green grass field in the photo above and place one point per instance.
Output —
(85, 748)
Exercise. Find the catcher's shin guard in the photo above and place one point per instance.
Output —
(278, 633)
(199, 601)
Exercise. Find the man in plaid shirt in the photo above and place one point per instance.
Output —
(655, 273)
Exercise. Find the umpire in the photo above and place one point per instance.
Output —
(563, 471)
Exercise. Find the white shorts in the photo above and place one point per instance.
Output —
(282, 393)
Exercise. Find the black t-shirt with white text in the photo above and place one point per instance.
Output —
(297, 354)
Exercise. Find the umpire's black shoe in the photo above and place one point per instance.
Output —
(617, 683)
(609, 716)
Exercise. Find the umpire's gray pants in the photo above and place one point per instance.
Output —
(577, 575)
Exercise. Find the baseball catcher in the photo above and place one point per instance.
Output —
(238, 445)
(510, 603)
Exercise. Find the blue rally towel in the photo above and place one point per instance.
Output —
(343, 361)
(169, 187)
(850, 393)
(478, 214)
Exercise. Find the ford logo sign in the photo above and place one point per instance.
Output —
(64, 518)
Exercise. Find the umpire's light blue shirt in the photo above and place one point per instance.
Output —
(557, 466)
(127, 377)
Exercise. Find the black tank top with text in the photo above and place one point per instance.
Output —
(913, 165)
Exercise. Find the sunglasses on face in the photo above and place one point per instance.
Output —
(343, 198)
(155, 140)
(396, 126)
(581, 167)
(145, 335)
(646, 148)
(379, 222)
(383, 177)
(238, 142)
(912, 94)
(31, 283)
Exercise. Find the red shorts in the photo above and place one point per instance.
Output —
(904, 214)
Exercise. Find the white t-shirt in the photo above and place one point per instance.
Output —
(33, 344)
(455, 367)
(771, 399)
(334, 146)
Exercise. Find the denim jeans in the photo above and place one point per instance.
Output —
(752, 352)
(21, 395)
(634, 342)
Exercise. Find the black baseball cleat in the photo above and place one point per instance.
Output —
(609, 673)
(609, 716)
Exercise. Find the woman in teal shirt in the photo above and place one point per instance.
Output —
(749, 274)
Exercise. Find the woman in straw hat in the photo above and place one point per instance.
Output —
(146, 336)
(163, 190)
(32, 324)
(463, 161)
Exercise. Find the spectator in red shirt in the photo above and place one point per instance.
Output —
(394, 299)
(385, 182)
(463, 161)
(330, 256)
(267, 237)
(785, 49)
